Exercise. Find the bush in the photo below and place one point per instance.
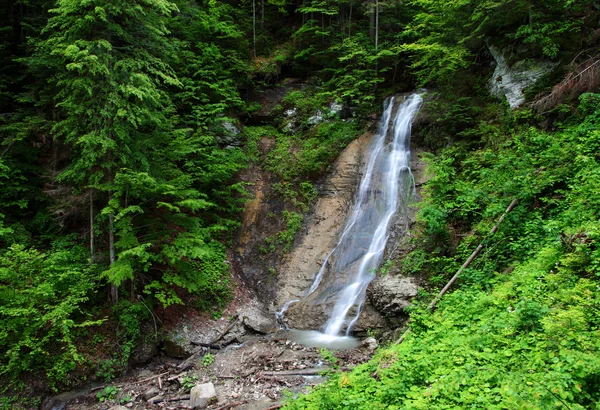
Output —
(42, 296)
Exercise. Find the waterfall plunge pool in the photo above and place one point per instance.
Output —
(314, 338)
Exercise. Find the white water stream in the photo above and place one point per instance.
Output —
(386, 183)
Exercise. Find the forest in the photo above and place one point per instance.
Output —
(120, 194)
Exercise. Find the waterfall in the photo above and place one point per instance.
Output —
(387, 182)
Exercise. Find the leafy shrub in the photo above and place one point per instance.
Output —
(42, 296)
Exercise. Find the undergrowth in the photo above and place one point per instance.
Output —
(522, 328)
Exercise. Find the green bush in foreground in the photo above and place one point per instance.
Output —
(41, 299)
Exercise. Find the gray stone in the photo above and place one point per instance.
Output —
(60, 402)
(336, 108)
(54, 403)
(150, 393)
(315, 119)
(390, 294)
(370, 343)
(291, 112)
(228, 134)
(510, 80)
(231, 128)
(258, 320)
(147, 346)
(202, 394)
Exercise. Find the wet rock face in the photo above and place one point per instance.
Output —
(322, 229)
(509, 80)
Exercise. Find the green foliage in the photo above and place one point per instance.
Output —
(208, 359)
(42, 297)
(188, 382)
(329, 357)
(109, 393)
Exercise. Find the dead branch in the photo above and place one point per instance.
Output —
(210, 346)
(178, 398)
(464, 266)
(189, 362)
(93, 389)
(214, 341)
(302, 372)
(584, 77)
(473, 255)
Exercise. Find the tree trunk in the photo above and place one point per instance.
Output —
(473, 255)
(350, 20)
(372, 20)
(254, 25)
(376, 23)
(92, 250)
(114, 291)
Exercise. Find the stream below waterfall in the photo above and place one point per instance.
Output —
(385, 190)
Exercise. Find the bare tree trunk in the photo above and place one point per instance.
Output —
(463, 267)
(323, 28)
(372, 19)
(473, 255)
(114, 291)
(254, 25)
(262, 16)
(92, 233)
(376, 23)
(350, 20)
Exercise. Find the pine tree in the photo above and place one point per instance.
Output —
(110, 77)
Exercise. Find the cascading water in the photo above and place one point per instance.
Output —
(386, 183)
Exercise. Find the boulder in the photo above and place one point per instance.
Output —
(258, 319)
(151, 393)
(228, 134)
(202, 394)
(315, 119)
(390, 294)
(147, 346)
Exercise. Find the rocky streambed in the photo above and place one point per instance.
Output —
(253, 374)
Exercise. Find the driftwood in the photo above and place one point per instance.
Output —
(93, 389)
(178, 398)
(275, 407)
(302, 372)
(231, 325)
(465, 265)
(210, 346)
(189, 362)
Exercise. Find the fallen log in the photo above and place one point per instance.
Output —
(163, 399)
(210, 346)
(464, 266)
(302, 372)
(473, 255)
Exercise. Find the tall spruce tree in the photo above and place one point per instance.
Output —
(107, 59)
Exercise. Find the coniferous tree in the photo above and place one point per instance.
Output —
(110, 79)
